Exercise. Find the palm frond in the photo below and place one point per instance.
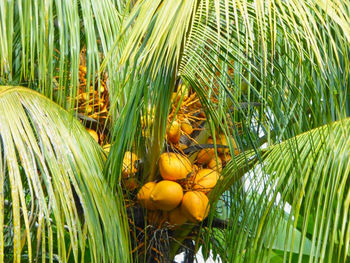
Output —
(41, 43)
(300, 189)
(54, 201)
(158, 33)
(257, 52)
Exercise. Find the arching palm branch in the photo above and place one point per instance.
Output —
(55, 203)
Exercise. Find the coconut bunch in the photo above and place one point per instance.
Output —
(92, 101)
(89, 101)
(209, 158)
(181, 194)
(185, 117)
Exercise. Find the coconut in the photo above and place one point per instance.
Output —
(129, 164)
(205, 155)
(176, 217)
(222, 140)
(186, 127)
(225, 157)
(167, 195)
(93, 134)
(107, 148)
(174, 132)
(85, 96)
(215, 164)
(195, 206)
(205, 180)
(143, 196)
(173, 166)
(174, 97)
(182, 90)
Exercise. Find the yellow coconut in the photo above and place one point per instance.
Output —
(195, 206)
(129, 164)
(215, 164)
(85, 96)
(205, 180)
(174, 97)
(93, 134)
(173, 166)
(225, 157)
(167, 195)
(107, 148)
(205, 155)
(174, 132)
(143, 196)
(182, 90)
(222, 140)
(176, 217)
(186, 127)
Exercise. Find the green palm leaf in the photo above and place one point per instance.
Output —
(41, 42)
(310, 173)
(54, 202)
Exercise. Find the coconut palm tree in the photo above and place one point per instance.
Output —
(272, 76)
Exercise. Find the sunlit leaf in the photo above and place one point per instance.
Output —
(54, 201)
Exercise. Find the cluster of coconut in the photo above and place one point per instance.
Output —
(175, 129)
(207, 157)
(185, 116)
(182, 193)
(93, 100)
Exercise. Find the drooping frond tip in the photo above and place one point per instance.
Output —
(55, 203)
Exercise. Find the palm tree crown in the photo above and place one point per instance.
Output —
(271, 77)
